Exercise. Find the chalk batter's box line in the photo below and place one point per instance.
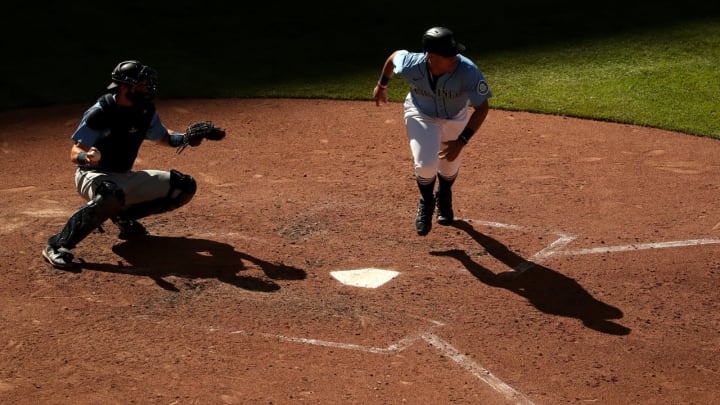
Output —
(480, 372)
(394, 348)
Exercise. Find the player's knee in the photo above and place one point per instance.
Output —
(182, 188)
(109, 199)
(425, 172)
(447, 177)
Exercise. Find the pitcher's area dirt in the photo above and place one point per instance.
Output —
(584, 269)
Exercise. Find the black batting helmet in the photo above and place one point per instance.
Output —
(134, 72)
(441, 41)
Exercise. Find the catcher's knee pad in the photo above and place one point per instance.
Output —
(182, 188)
(108, 202)
(109, 197)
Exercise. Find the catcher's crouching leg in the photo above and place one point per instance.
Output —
(108, 201)
(182, 190)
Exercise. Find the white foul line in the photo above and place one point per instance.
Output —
(564, 239)
(641, 246)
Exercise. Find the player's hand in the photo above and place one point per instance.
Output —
(451, 150)
(380, 95)
(93, 156)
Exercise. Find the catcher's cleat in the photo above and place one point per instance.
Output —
(423, 219)
(129, 228)
(445, 215)
(60, 258)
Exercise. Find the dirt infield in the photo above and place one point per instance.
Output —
(584, 267)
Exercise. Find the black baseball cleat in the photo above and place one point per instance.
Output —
(60, 258)
(130, 228)
(423, 219)
(445, 215)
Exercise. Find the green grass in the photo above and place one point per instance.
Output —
(667, 79)
(652, 63)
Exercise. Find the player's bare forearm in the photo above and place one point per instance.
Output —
(477, 118)
(380, 91)
(389, 66)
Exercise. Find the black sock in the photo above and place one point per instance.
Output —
(426, 187)
(445, 185)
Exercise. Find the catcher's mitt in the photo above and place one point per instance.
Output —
(198, 131)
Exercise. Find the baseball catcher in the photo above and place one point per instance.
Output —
(105, 146)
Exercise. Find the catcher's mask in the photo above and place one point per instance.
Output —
(441, 41)
(133, 72)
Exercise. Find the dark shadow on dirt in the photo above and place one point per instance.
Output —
(160, 256)
(546, 289)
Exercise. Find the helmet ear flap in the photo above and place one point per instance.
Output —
(150, 77)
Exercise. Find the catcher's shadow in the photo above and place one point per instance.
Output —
(546, 289)
(160, 256)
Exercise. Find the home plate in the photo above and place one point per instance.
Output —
(368, 278)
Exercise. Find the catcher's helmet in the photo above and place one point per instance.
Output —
(441, 41)
(134, 72)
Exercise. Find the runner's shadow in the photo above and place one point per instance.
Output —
(160, 256)
(546, 289)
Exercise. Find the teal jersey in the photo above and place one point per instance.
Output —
(452, 91)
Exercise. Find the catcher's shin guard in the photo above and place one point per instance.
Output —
(182, 190)
(108, 201)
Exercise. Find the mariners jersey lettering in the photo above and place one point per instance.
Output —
(452, 90)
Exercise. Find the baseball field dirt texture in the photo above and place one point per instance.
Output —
(583, 268)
